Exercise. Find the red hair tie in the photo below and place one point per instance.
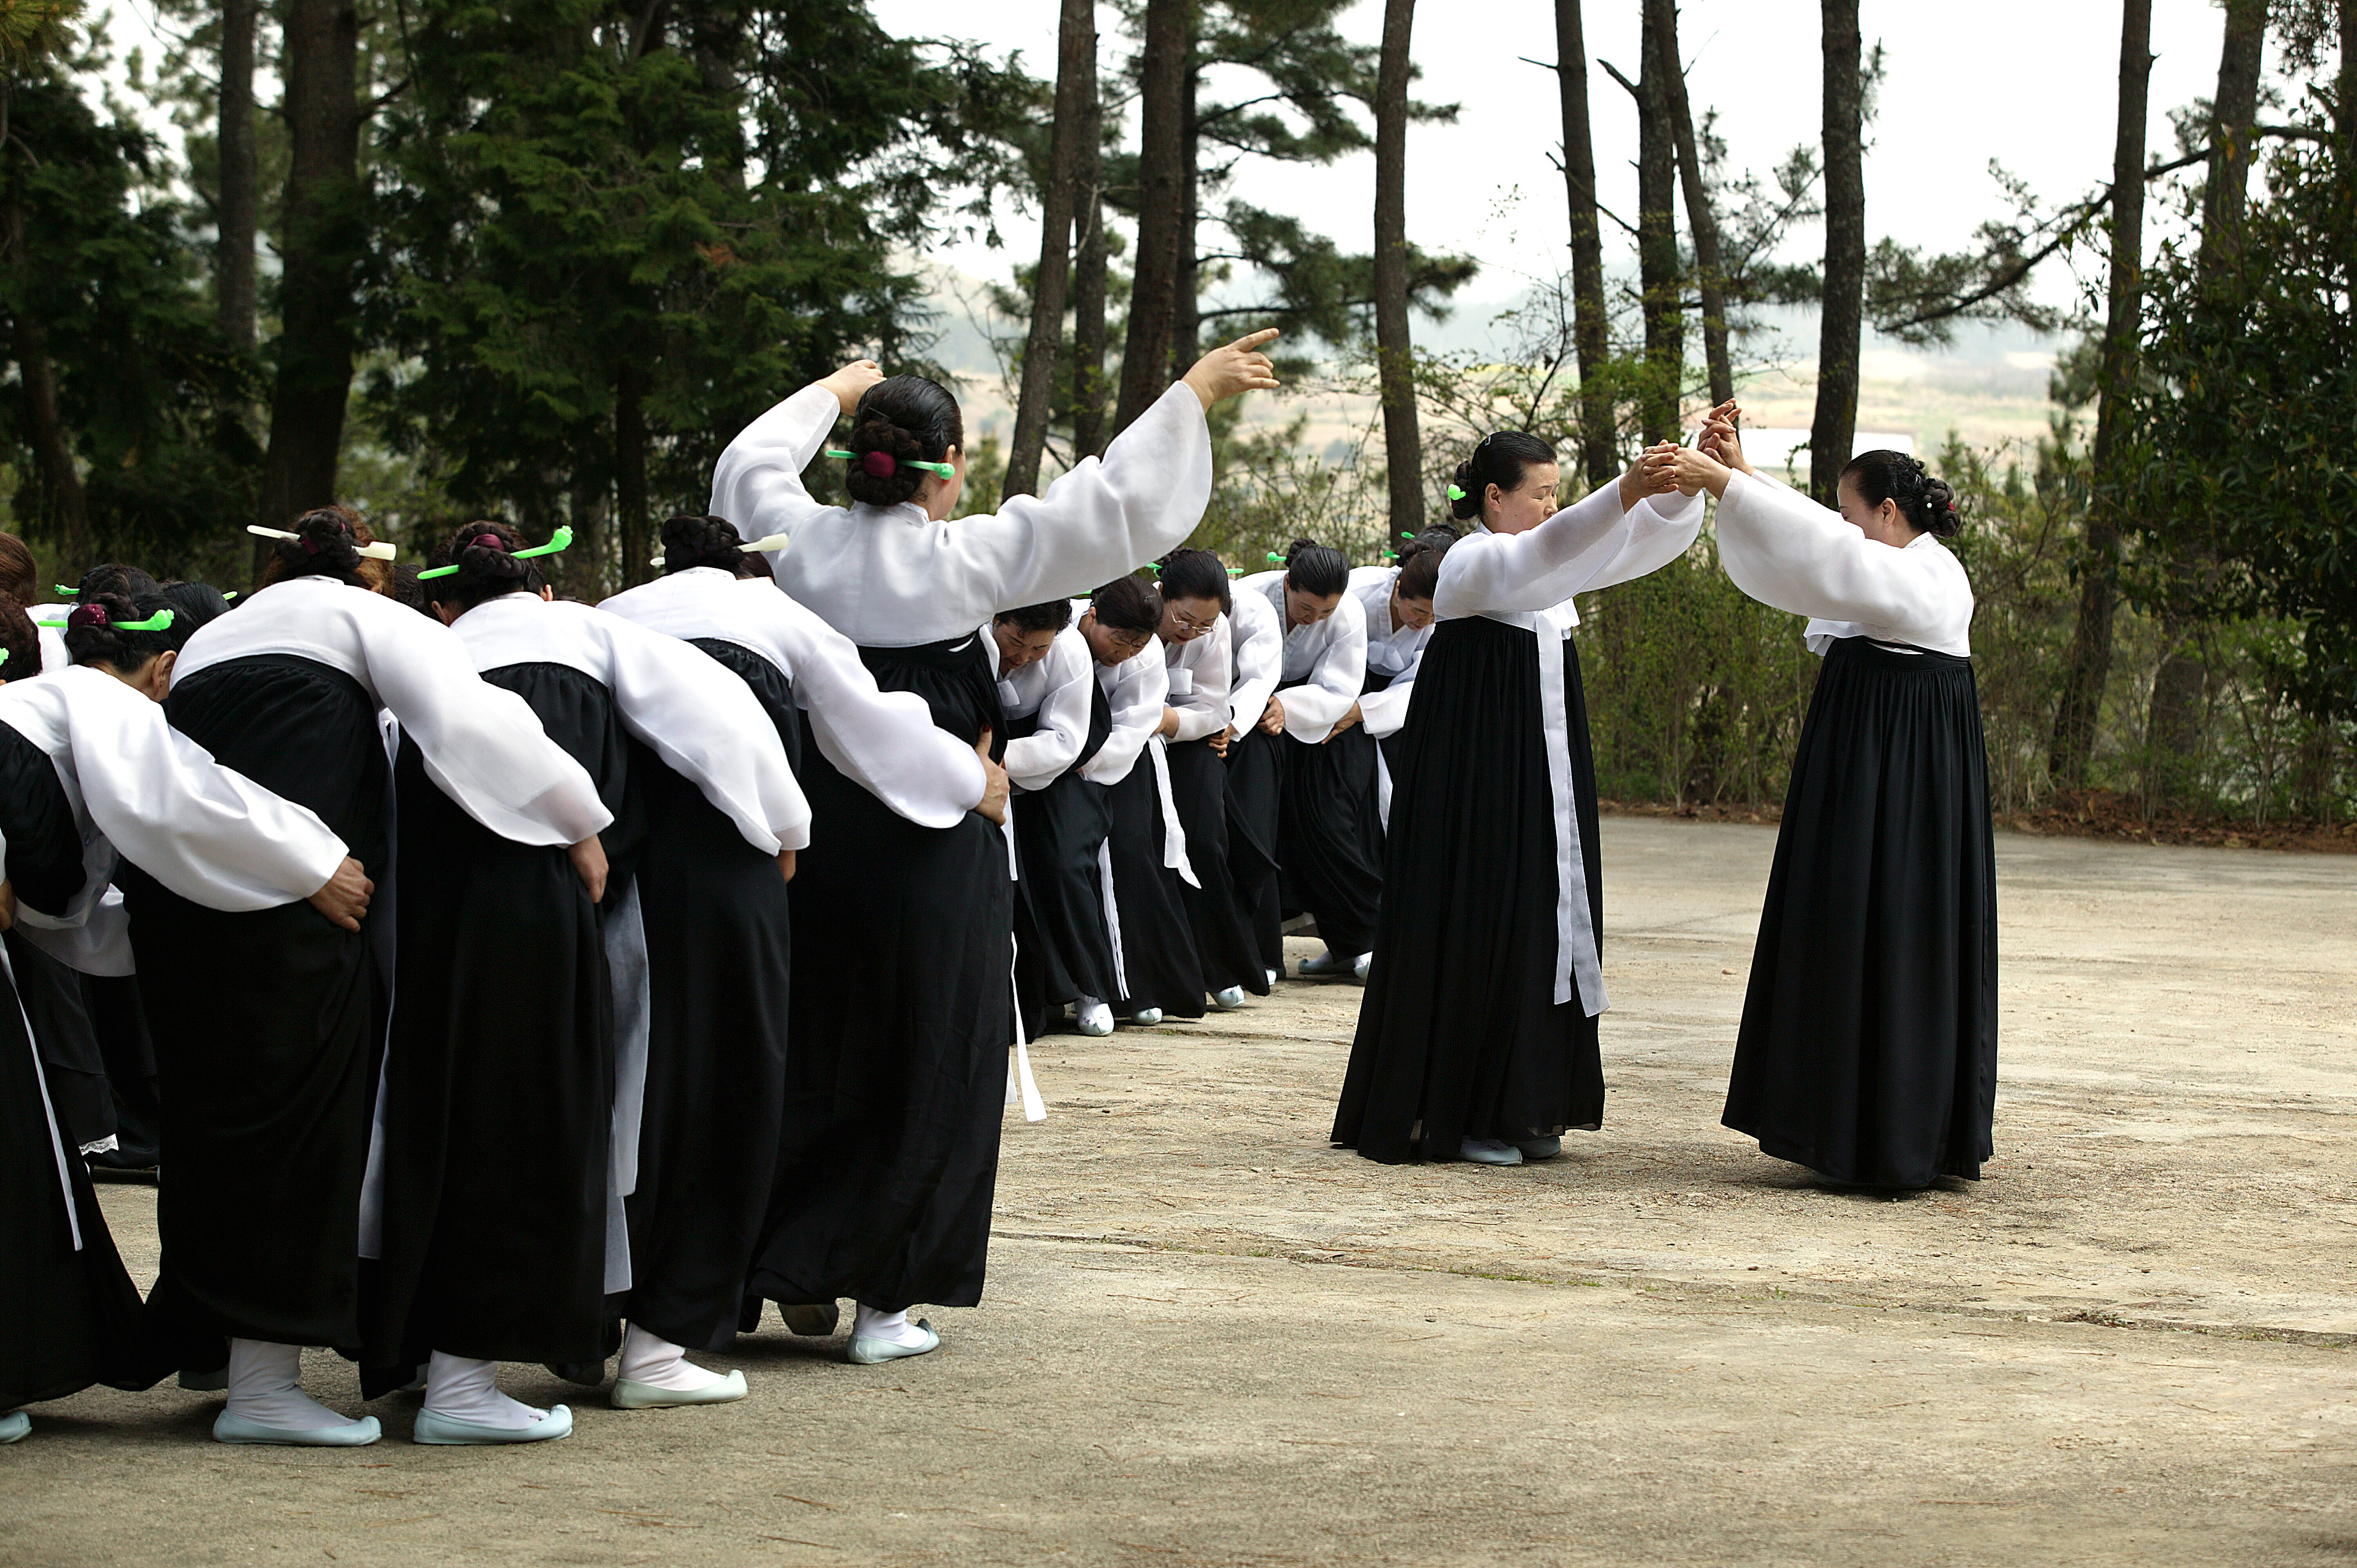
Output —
(88, 615)
(488, 541)
(879, 465)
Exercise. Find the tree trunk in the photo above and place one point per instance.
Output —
(1076, 51)
(2173, 722)
(1089, 289)
(1403, 451)
(1591, 323)
(1659, 274)
(2090, 642)
(62, 489)
(1710, 272)
(1833, 433)
(324, 234)
(1146, 355)
(589, 566)
(637, 528)
(1186, 301)
(240, 201)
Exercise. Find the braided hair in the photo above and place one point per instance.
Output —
(1926, 504)
(1317, 570)
(901, 420)
(96, 635)
(484, 555)
(692, 540)
(115, 577)
(326, 544)
(1499, 458)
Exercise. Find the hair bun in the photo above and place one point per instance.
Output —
(881, 452)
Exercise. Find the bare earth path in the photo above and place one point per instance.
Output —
(1211, 1338)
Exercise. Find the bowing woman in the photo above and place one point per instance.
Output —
(717, 948)
(1479, 1025)
(1868, 1046)
(1397, 602)
(1327, 867)
(266, 1085)
(92, 776)
(1255, 784)
(891, 1166)
(1196, 653)
(503, 1033)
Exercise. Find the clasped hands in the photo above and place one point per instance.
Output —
(1716, 456)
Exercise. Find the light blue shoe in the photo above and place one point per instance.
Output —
(1539, 1148)
(1231, 999)
(227, 1428)
(433, 1428)
(630, 1394)
(1488, 1152)
(1147, 1015)
(15, 1426)
(869, 1352)
(1325, 966)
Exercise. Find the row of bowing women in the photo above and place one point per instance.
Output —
(447, 958)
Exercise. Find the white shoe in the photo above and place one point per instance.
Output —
(1488, 1152)
(632, 1394)
(1359, 968)
(1147, 1015)
(1231, 999)
(15, 1426)
(1095, 1017)
(1274, 976)
(1325, 966)
(870, 1351)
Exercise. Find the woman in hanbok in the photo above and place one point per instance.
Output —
(1322, 849)
(1868, 1046)
(1476, 1038)
(268, 1021)
(1255, 783)
(892, 1158)
(1397, 602)
(92, 779)
(727, 1081)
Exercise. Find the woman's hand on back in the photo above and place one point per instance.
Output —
(344, 899)
(589, 864)
(995, 785)
(1233, 370)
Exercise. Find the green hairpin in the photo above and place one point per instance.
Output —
(562, 539)
(1276, 559)
(161, 621)
(70, 593)
(1154, 567)
(1406, 535)
(1391, 554)
(944, 469)
(1455, 494)
(3, 656)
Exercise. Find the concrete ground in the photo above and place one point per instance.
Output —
(1211, 1338)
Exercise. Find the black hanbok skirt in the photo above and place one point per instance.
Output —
(889, 1158)
(1063, 952)
(1329, 839)
(45, 869)
(68, 1318)
(1459, 1034)
(1255, 790)
(1868, 1045)
(263, 1023)
(1225, 948)
(1155, 961)
(499, 1080)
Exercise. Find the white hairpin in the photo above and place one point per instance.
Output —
(373, 551)
(755, 547)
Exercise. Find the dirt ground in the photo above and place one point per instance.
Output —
(1211, 1337)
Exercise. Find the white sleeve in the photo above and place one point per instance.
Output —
(757, 483)
(1311, 708)
(707, 724)
(482, 744)
(1257, 664)
(1660, 528)
(1204, 711)
(886, 741)
(1041, 757)
(1384, 712)
(1535, 570)
(1140, 690)
(1099, 521)
(206, 831)
(1789, 552)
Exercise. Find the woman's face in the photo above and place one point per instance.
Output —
(1111, 645)
(1884, 524)
(1413, 615)
(1018, 648)
(1184, 620)
(1525, 506)
(1305, 608)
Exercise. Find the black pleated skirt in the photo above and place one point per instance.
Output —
(1868, 1046)
(1255, 792)
(499, 1081)
(1061, 949)
(887, 1161)
(45, 869)
(263, 1023)
(1329, 839)
(1225, 948)
(68, 1318)
(1459, 1035)
(1157, 964)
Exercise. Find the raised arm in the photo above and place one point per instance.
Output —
(757, 483)
(707, 724)
(206, 831)
(1311, 709)
(1786, 550)
(1568, 554)
(1038, 759)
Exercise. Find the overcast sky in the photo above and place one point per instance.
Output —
(2032, 83)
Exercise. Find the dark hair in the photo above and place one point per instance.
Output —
(327, 545)
(408, 590)
(484, 553)
(20, 579)
(114, 578)
(1128, 604)
(1054, 614)
(20, 639)
(1925, 502)
(1419, 562)
(909, 419)
(193, 605)
(1196, 575)
(1314, 568)
(94, 634)
(690, 541)
(1499, 458)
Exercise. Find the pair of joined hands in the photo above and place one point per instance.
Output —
(1716, 456)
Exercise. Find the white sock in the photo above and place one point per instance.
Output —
(463, 1390)
(894, 1327)
(265, 1385)
(660, 1364)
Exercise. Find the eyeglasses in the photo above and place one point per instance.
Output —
(1188, 623)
